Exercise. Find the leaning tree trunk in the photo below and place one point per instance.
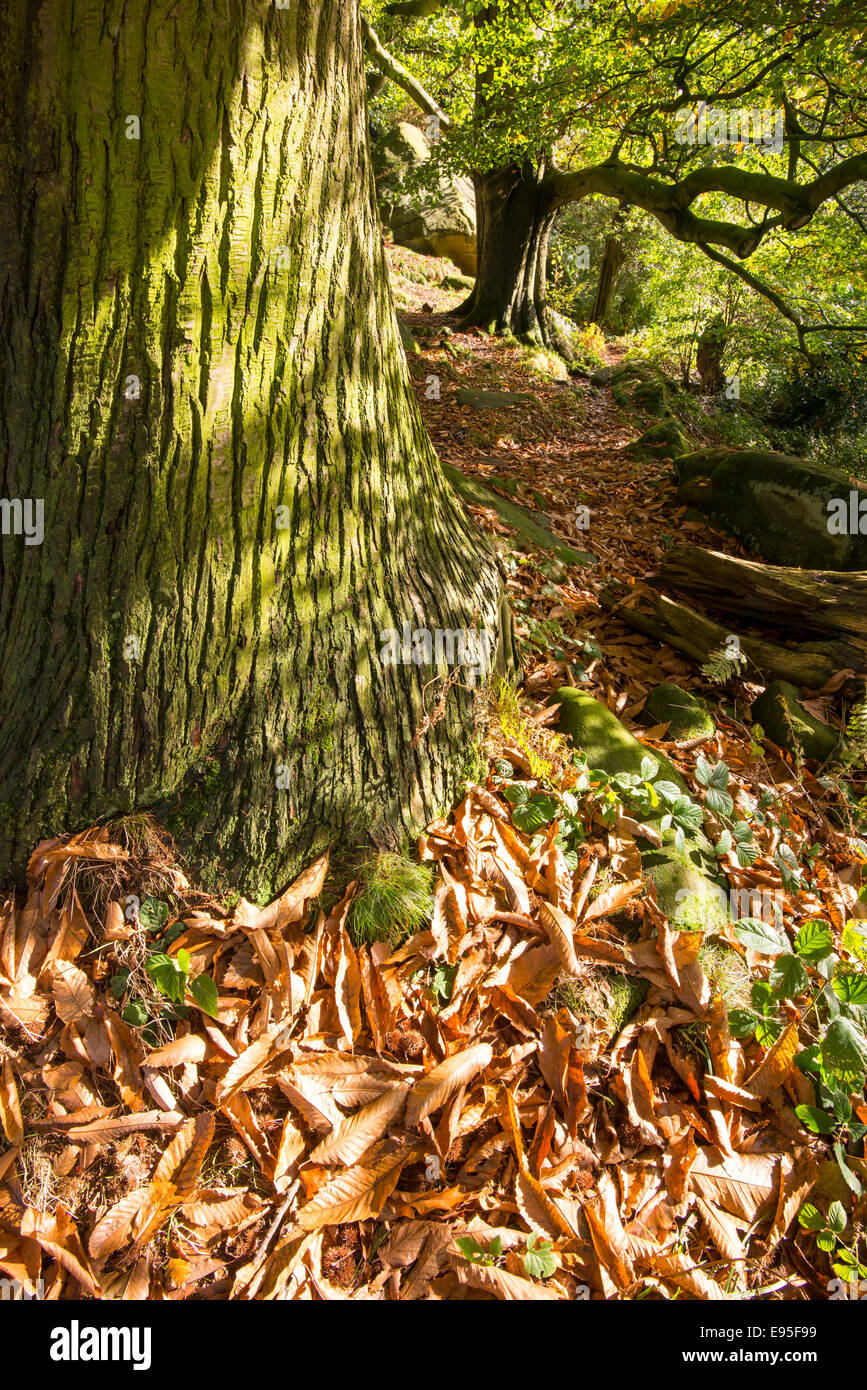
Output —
(514, 214)
(612, 261)
(201, 378)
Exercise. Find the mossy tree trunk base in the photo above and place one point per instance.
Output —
(201, 378)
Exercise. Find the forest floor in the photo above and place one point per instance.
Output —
(476, 1113)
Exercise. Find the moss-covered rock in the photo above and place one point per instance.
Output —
(778, 505)
(441, 222)
(493, 400)
(685, 715)
(534, 528)
(784, 719)
(663, 441)
(687, 889)
(641, 384)
(605, 742)
(687, 883)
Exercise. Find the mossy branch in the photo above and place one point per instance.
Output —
(398, 74)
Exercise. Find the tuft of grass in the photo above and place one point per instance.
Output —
(727, 973)
(393, 901)
(545, 750)
(602, 995)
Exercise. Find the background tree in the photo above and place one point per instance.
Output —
(201, 377)
(553, 103)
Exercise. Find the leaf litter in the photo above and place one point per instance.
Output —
(467, 1114)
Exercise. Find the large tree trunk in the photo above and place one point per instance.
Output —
(514, 215)
(201, 376)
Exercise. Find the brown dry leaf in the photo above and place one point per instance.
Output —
(533, 974)
(776, 1064)
(117, 928)
(681, 1270)
(347, 989)
(246, 1071)
(73, 994)
(360, 1192)
(10, 1107)
(212, 1211)
(289, 907)
(130, 1285)
(559, 926)
(358, 1132)
(175, 1176)
(609, 1243)
(128, 1052)
(102, 1130)
(743, 1184)
(721, 1229)
(798, 1182)
(538, 1209)
(58, 1236)
(191, 1048)
(433, 1090)
(115, 1227)
(510, 1287)
(613, 898)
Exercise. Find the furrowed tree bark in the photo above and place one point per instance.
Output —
(201, 377)
(514, 216)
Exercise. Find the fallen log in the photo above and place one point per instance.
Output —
(807, 601)
(809, 665)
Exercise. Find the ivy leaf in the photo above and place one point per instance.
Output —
(720, 802)
(686, 813)
(767, 1031)
(153, 914)
(528, 817)
(540, 1262)
(742, 1023)
(848, 1176)
(844, 1049)
(204, 991)
(855, 941)
(811, 1218)
(118, 983)
(815, 1120)
(669, 791)
(471, 1250)
(135, 1014)
(515, 794)
(166, 975)
(849, 986)
(723, 844)
(757, 936)
(814, 940)
(788, 978)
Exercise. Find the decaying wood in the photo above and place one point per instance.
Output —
(809, 665)
(815, 601)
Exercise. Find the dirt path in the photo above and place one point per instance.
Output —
(562, 453)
